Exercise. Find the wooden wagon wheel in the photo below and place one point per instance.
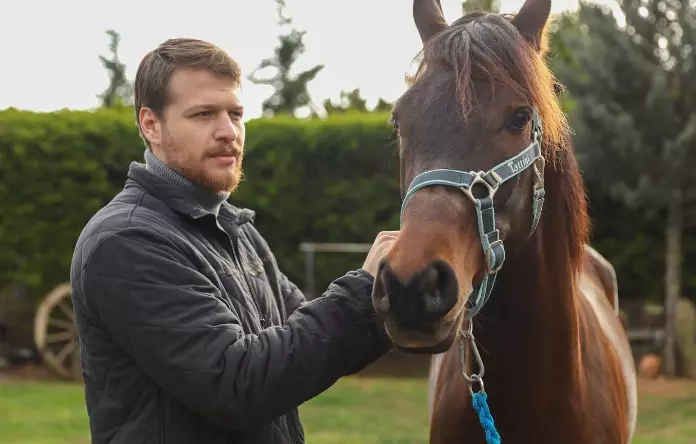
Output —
(55, 334)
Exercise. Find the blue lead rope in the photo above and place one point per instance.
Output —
(480, 403)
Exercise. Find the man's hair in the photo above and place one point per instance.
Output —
(157, 67)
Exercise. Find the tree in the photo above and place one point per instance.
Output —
(354, 102)
(120, 91)
(635, 118)
(290, 92)
(382, 106)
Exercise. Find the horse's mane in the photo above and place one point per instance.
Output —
(487, 46)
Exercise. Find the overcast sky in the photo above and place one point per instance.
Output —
(50, 48)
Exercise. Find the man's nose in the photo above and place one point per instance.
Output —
(227, 130)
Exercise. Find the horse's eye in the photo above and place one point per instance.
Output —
(519, 120)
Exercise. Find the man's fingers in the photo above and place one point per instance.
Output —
(386, 236)
(384, 248)
(380, 245)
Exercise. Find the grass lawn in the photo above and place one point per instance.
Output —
(358, 409)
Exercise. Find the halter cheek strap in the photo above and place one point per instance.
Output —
(493, 248)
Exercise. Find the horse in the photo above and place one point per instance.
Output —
(492, 273)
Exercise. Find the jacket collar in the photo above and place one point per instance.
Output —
(183, 200)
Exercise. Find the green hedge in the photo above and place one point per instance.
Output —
(57, 169)
(321, 181)
(332, 180)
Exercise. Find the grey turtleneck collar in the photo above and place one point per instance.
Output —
(206, 198)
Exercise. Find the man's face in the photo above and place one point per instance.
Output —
(201, 133)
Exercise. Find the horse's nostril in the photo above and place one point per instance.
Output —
(385, 275)
(429, 283)
(382, 303)
(439, 290)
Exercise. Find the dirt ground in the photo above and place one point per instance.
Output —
(26, 373)
(679, 388)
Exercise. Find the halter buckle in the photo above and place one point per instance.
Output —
(479, 178)
(489, 256)
(539, 167)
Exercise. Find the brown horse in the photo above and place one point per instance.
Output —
(493, 244)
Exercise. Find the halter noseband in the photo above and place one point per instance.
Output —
(493, 248)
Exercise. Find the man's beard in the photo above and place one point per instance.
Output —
(193, 169)
(218, 183)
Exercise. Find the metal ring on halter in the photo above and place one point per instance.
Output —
(478, 380)
(479, 178)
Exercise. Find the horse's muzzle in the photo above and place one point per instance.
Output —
(416, 307)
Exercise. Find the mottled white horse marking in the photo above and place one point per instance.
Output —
(611, 326)
(433, 372)
(610, 270)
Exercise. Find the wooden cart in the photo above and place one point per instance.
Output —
(55, 334)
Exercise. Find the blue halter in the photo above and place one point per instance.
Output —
(493, 248)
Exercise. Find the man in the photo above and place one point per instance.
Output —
(189, 331)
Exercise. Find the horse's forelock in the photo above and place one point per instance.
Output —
(487, 45)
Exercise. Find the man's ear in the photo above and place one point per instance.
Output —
(531, 22)
(150, 126)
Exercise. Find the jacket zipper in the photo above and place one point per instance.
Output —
(238, 259)
(238, 262)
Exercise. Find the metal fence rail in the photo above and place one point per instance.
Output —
(646, 334)
(310, 248)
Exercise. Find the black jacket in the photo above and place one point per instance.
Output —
(191, 334)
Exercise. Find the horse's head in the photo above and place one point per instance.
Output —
(476, 105)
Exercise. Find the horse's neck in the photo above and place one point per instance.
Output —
(535, 306)
(527, 336)
(529, 333)
(533, 321)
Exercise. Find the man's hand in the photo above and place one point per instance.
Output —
(381, 246)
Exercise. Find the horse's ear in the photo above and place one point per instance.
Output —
(429, 18)
(531, 21)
